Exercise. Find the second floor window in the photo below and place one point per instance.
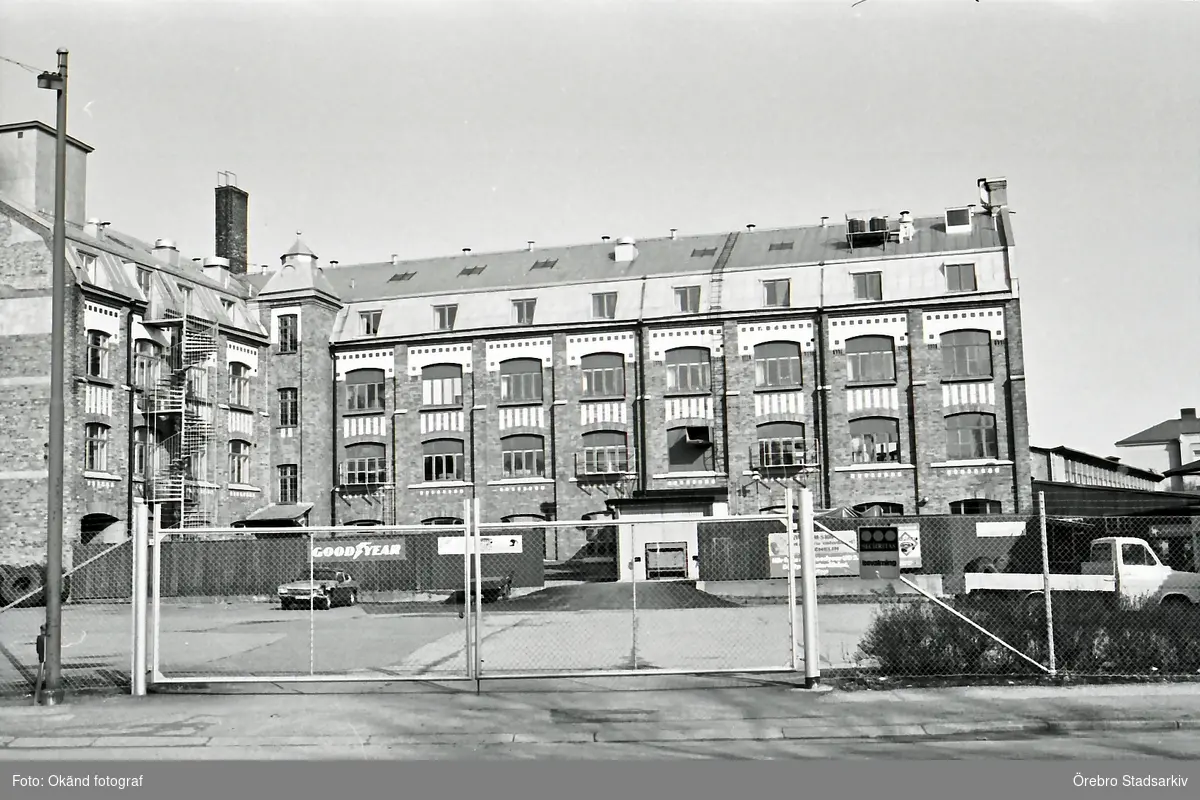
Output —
(95, 448)
(442, 385)
(97, 354)
(443, 460)
(777, 293)
(776, 364)
(523, 311)
(239, 462)
(289, 408)
(289, 483)
(239, 384)
(365, 390)
(604, 305)
(444, 317)
(368, 323)
(687, 299)
(289, 333)
(971, 436)
(147, 356)
(874, 440)
(603, 375)
(870, 358)
(523, 457)
(966, 354)
(521, 380)
(366, 464)
(688, 370)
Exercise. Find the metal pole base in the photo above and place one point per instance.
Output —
(812, 683)
(54, 698)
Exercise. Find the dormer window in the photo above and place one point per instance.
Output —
(523, 311)
(958, 220)
(368, 323)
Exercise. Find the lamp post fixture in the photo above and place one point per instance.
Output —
(53, 692)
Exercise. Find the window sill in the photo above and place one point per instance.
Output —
(970, 379)
(96, 381)
(101, 476)
(972, 462)
(519, 403)
(283, 352)
(242, 487)
(701, 474)
(238, 407)
(449, 407)
(522, 482)
(693, 393)
(365, 412)
(203, 484)
(616, 398)
(882, 383)
(882, 465)
(442, 485)
(772, 389)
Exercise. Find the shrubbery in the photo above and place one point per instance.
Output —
(1092, 636)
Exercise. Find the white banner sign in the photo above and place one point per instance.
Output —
(488, 545)
(835, 553)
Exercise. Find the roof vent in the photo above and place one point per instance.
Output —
(334, 263)
(824, 222)
(1187, 413)
(92, 228)
(750, 228)
(466, 249)
(625, 251)
(529, 244)
(907, 229)
(604, 238)
(395, 259)
(164, 244)
(673, 232)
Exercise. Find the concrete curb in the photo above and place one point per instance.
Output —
(620, 734)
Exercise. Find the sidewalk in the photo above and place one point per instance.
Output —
(579, 711)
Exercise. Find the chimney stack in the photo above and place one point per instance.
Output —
(167, 251)
(1187, 413)
(993, 194)
(907, 228)
(92, 227)
(232, 223)
(218, 269)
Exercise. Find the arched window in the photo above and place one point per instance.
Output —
(966, 354)
(97, 354)
(688, 369)
(870, 358)
(874, 440)
(603, 375)
(605, 452)
(95, 447)
(879, 509)
(239, 384)
(365, 390)
(781, 444)
(976, 505)
(239, 462)
(521, 380)
(443, 460)
(971, 436)
(777, 364)
(442, 385)
(366, 464)
(147, 356)
(523, 457)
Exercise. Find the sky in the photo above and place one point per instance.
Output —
(423, 127)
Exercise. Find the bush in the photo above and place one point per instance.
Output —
(1092, 636)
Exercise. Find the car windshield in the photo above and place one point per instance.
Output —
(319, 575)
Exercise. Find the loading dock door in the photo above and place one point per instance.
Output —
(666, 560)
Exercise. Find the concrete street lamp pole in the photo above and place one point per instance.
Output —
(53, 692)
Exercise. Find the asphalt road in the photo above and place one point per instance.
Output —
(1168, 745)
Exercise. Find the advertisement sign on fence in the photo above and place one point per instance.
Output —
(878, 553)
(360, 550)
(488, 545)
(836, 555)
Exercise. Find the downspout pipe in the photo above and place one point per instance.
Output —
(823, 395)
(640, 367)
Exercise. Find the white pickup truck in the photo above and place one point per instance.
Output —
(1124, 566)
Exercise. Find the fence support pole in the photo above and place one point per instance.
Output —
(141, 563)
(794, 628)
(312, 612)
(478, 592)
(1046, 583)
(156, 591)
(633, 562)
(468, 650)
(808, 576)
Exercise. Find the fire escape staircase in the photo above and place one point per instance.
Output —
(716, 276)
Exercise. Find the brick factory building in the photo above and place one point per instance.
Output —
(876, 360)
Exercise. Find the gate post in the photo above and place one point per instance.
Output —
(141, 564)
(790, 529)
(808, 574)
(156, 590)
(468, 652)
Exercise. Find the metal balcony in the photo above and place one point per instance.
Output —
(605, 465)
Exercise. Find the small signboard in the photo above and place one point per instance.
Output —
(878, 553)
(488, 545)
(834, 554)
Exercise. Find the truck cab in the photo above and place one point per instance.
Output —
(1140, 576)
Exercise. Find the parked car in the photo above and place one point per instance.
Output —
(323, 589)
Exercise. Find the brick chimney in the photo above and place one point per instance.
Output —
(27, 168)
(232, 206)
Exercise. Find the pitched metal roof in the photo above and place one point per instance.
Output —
(1190, 468)
(1167, 431)
(587, 263)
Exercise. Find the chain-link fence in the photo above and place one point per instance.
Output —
(1036, 596)
(352, 603)
(638, 596)
(96, 631)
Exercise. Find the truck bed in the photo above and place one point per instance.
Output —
(1031, 582)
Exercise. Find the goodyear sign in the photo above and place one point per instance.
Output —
(361, 550)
